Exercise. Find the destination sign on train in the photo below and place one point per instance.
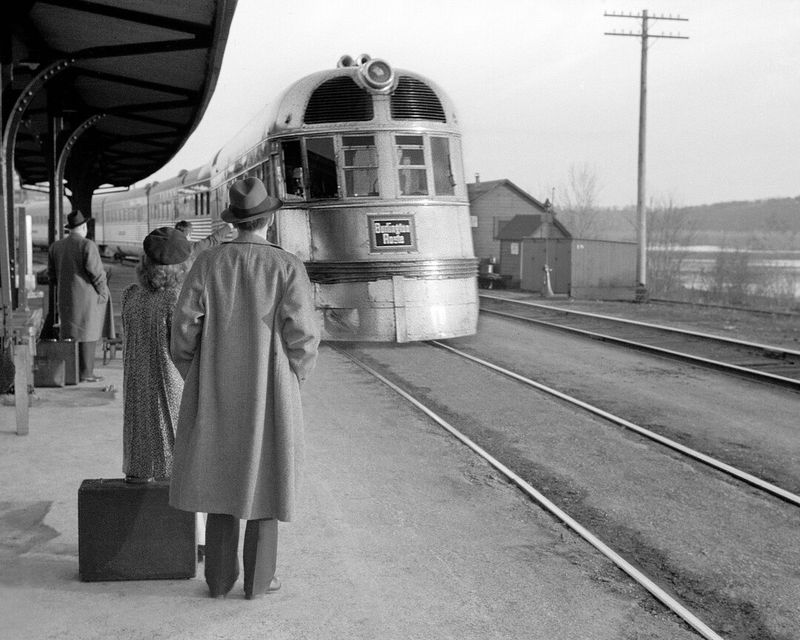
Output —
(389, 233)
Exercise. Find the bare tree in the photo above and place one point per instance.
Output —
(576, 202)
(670, 230)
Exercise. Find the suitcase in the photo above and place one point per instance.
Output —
(129, 532)
(66, 350)
(48, 372)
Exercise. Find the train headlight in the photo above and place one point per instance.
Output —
(377, 76)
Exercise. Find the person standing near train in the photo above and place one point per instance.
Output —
(245, 337)
(212, 240)
(74, 267)
(152, 386)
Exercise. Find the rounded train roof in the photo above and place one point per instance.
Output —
(341, 94)
(344, 94)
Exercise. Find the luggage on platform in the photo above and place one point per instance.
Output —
(66, 350)
(129, 532)
(48, 372)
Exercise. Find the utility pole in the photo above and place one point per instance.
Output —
(641, 215)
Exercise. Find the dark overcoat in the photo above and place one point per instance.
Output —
(75, 268)
(244, 337)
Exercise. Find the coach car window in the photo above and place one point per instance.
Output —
(411, 161)
(293, 170)
(360, 166)
(443, 181)
(322, 180)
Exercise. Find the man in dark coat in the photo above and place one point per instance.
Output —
(244, 337)
(75, 269)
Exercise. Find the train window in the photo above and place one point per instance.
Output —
(443, 181)
(411, 161)
(322, 179)
(293, 170)
(360, 166)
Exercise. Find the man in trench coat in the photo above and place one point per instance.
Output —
(75, 268)
(244, 337)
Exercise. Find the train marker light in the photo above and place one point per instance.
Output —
(346, 61)
(377, 75)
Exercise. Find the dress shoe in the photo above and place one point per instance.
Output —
(92, 379)
(274, 585)
(221, 593)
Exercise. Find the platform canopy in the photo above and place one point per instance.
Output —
(136, 75)
(97, 93)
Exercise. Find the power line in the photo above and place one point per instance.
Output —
(645, 35)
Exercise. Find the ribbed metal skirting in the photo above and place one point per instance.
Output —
(334, 271)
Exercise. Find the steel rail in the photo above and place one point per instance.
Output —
(649, 325)
(677, 446)
(754, 374)
(637, 575)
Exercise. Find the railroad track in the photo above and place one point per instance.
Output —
(638, 576)
(766, 363)
(661, 586)
(719, 465)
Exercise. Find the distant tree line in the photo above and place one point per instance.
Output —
(731, 275)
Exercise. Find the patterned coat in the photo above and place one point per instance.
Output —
(152, 386)
(75, 268)
(245, 336)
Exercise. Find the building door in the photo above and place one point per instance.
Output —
(555, 252)
(559, 251)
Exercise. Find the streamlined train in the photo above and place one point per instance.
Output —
(367, 159)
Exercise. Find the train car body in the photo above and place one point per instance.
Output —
(124, 218)
(367, 160)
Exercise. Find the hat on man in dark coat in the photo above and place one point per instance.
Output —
(166, 245)
(249, 200)
(75, 219)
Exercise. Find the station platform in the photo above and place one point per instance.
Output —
(403, 533)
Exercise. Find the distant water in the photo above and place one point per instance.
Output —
(781, 269)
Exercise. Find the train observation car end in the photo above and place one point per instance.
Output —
(367, 159)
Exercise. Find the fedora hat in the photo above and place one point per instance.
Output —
(166, 245)
(249, 200)
(75, 219)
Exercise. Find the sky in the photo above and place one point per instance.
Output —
(540, 90)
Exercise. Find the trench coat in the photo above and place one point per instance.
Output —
(75, 268)
(244, 337)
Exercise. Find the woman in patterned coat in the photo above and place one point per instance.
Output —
(152, 386)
